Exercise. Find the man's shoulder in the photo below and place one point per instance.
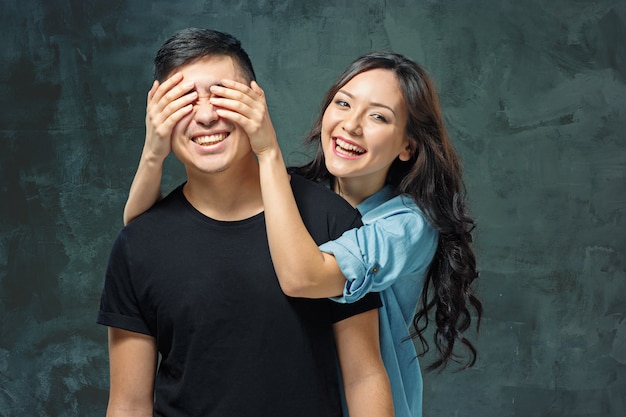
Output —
(325, 214)
(309, 192)
(168, 207)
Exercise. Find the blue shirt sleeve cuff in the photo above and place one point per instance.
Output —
(358, 280)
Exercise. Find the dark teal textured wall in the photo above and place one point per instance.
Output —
(534, 94)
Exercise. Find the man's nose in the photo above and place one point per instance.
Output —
(204, 112)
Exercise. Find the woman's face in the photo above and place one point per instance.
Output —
(364, 129)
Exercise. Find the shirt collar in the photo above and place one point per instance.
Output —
(376, 199)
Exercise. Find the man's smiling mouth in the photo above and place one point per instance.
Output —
(209, 140)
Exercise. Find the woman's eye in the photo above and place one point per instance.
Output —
(341, 103)
(380, 117)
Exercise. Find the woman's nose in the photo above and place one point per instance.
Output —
(352, 124)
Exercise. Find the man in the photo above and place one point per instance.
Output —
(192, 280)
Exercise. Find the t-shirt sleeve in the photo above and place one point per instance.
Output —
(373, 256)
(369, 302)
(118, 303)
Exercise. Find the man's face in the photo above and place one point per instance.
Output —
(204, 142)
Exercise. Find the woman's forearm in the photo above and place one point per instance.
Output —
(303, 270)
(145, 189)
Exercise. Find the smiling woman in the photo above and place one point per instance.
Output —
(363, 132)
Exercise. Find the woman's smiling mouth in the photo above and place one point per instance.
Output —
(342, 147)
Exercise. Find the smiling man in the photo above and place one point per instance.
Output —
(192, 281)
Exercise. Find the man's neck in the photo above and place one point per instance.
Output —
(228, 196)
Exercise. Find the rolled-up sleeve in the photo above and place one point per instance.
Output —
(119, 306)
(395, 240)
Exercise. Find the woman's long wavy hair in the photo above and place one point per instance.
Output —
(433, 178)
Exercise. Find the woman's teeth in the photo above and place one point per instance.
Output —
(348, 148)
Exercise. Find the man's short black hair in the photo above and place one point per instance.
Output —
(191, 44)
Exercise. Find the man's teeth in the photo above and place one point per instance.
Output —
(210, 139)
(348, 147)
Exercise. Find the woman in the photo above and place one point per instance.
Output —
(381, 144)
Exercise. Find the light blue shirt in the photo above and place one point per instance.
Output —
(390, 254)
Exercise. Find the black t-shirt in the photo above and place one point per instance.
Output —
(231, 343)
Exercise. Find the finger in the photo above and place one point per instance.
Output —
(172, 88)
(185, 101)
(177, 91)
(251, 120)
(240, 93)
(171, 121)
(234, 105)
(235, 85)
(153, 89)
(257, 89)
(168, 84)
(236, 118)
(171, 96)
(229, 97)
(163, 120)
